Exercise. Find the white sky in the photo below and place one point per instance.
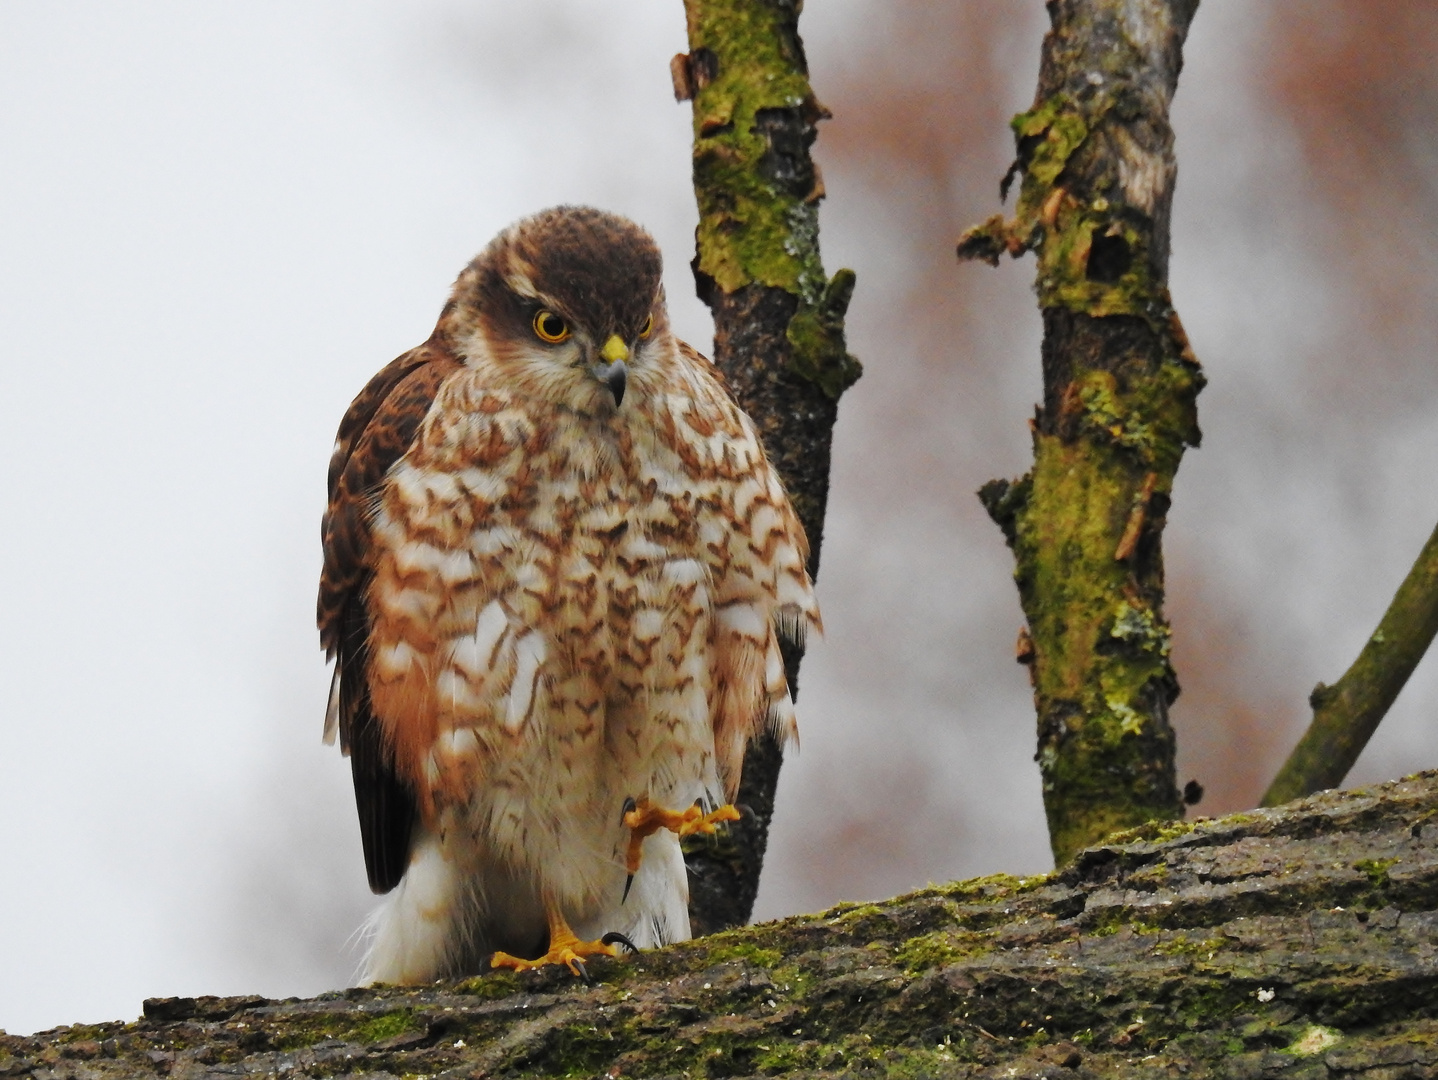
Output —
(217, 221)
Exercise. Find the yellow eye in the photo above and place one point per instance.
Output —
(647, 328)
(550, 327)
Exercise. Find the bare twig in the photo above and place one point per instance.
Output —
(1346, 714)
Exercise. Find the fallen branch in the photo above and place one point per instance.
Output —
(1291, 942)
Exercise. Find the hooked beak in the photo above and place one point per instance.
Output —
(615, 373)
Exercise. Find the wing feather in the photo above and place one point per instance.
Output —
(765, 595)
(377, 430)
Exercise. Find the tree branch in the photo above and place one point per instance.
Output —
(1295, 942)
(1095, 154)
(1346, 714)
(778, 322)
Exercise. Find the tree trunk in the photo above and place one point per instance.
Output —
(778, 324)
(1096, 158)
(1292, 942)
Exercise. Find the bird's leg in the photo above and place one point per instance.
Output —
(645, 819)
(564, 947)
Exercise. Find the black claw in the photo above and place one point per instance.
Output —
(614, 937)
(745, 810)
(627, 882)
(629, 805)
(583, 972)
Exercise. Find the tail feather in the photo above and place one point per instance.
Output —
(418, 934)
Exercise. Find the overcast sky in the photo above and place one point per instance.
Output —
(217, 221)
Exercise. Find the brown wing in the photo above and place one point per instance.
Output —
(376, 431)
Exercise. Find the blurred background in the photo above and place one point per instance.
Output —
(217, 221)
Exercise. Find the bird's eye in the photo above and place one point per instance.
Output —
(647, 328)
(550, 327)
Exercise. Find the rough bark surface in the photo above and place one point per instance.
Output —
(1346, 714)
(778, 324)
(1095, 154)
(1297, 942)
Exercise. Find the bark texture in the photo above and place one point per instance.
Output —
(778, 323)
(1297, 942)
(1346, 714)
(1095, 154)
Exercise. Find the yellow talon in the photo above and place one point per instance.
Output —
(564, 947)
(646, 819)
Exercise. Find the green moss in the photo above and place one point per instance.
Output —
(1102, 663)
(993, 888)
(848, 911)
(750, 228)
(941, 948)
(1065, 278)
(1150, 832)
(1106, 412)
(745, 951)
(1104, 463)
(816, 333)
(294, 1032)
(791, 980)
(1059, 129)
(491, 986)
(1109, 921)
(1189, 946)
(1376, 869)
(918, 1064)
(86, 1033)
(755, 228)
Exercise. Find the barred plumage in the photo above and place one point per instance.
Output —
(556, 573)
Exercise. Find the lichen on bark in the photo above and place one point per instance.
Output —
(778, 321)
(1095, 160)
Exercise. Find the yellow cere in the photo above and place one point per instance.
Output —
(614, 349)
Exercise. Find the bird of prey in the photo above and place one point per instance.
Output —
(557, 570)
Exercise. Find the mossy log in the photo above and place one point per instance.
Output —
(778, 322)
(1296, 942)
(1095, 154)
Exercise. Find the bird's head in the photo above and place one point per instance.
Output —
(565, 306)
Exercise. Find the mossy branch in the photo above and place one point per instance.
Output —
(1289, 943)
(1095, 157)
(778, 320)
(1346, 714)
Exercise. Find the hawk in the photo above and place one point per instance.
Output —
(557, 570)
